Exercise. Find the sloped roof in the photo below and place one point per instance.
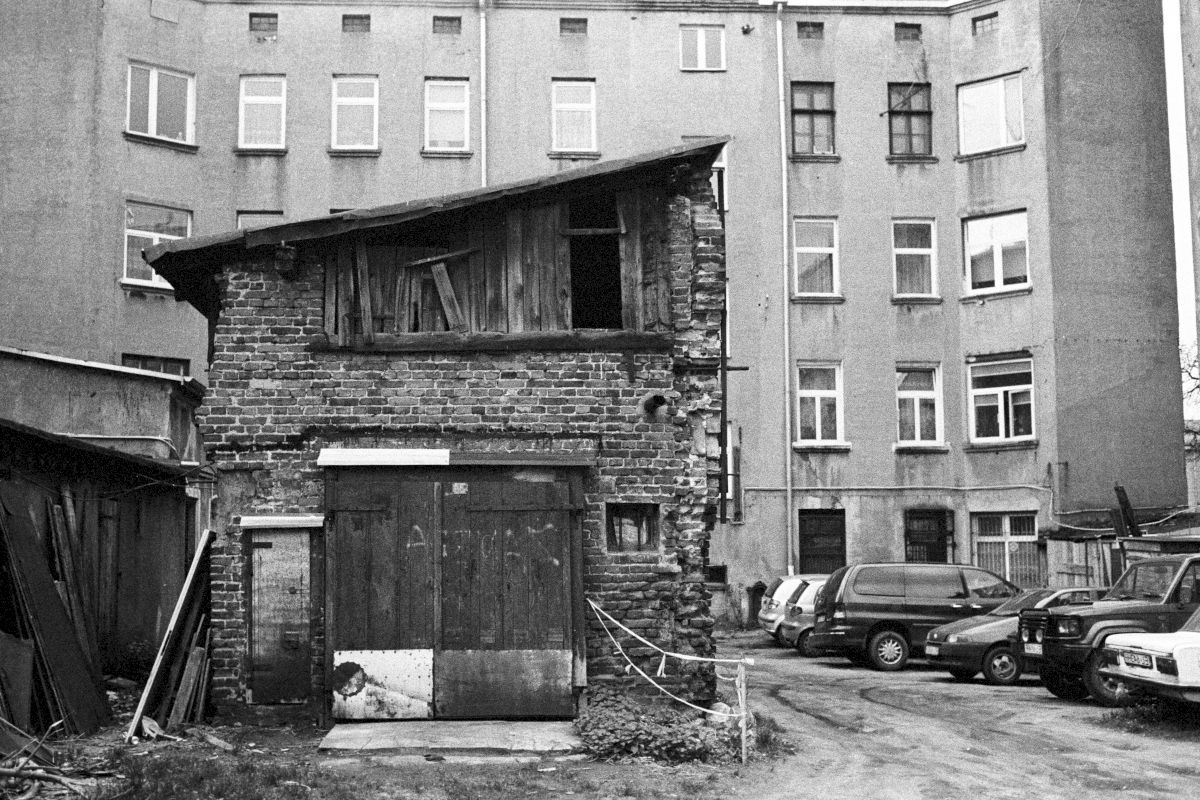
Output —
(14, 432)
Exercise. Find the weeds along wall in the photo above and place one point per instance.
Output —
(279, 395)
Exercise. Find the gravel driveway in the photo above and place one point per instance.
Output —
(920, 734)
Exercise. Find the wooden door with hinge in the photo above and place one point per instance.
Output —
(280, 644)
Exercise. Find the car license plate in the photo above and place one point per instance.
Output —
(1032, 649)
(932, 649)
(1136, 660)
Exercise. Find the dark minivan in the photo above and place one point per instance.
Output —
(876, 614)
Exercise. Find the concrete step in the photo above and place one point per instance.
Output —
(483, 737)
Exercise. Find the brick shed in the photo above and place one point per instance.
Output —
(439, 426)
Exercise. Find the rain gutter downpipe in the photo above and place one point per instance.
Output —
(483, 142)
(785, 297)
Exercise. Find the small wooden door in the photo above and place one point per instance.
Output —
(280, 646)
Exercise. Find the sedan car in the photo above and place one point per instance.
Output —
(781, 591)
(1165, 664)
(799, 616)
(968, 646)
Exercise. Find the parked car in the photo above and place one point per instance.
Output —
(781, 590)
(799, 615)
(1156, 595)
(1165, 664)
(968, 646)
(877, 614)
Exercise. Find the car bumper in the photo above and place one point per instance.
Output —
(956, 655)
(770, 622)
(790, 632)
(1153, 685)
(1067, 657)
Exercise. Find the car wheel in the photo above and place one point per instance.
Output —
(777, 635)
(1106, 691)
(802, 644)
(888, 651)
(1066, 687)
(962, 674)
(1001, 666)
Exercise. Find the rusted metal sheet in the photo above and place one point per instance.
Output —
(280, 644)
(483, 684)
(383, 684)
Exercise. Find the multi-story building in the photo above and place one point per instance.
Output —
(952, 323)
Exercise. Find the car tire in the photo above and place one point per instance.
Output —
(1062, 686)
(962, 674)
(888, 651)
(802, 644)
(777, 635)
(1108, 692)
(1001, 666)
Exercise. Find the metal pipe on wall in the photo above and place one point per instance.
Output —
(785, 298)
(483, 143)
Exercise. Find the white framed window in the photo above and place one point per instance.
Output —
(1002, 401)
(918, 405)
(574, 115)
(258, 219)
(720, 179)
(161, 103)
(990, 115)
(702, 48)
(1007, 544)
(147, 225)
(262, 114)
(997, 252)
(815, 253)
(355, 112)
(914, 257)
(819, 404)
(447, 115)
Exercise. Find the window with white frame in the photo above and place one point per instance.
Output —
(147, 225)
(447, 118)
(997, 252)
(262, 114)
(574, 115)
(918, 405)
(1007, 544)
(1002, 401)
(355, 112)
(702, 48)
(816, 256)
(161, 103)
(819, 404)
(913, 255)
(990, 115)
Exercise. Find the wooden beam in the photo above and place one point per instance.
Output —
(331, 287)
(585, 341)
(454, 315)
(364, 291)
(628, 211)
(591, 231)
(345, 307)
(466, 251)
(515, 284)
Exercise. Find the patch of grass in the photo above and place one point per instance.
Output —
(769, 737)
(1156, 716)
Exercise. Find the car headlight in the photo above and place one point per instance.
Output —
(1066, 627)
(1024, 634)
(957, 637)
(1037, 635)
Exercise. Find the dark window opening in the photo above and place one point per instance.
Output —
(264, 23)
(632, 527)
(929, 536)
(810, 30)
(171, 366)
(910, 119)
(572, 26)
(356, 23)
(822, 541)
(908, 32)
(985, 24)
(595, 253)
(447, 24)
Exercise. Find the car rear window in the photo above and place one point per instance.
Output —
(987, 586)
(883, 580)
(942, 583)
(795, 595)
(774, 587)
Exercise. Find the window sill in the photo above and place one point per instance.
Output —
(916, 300)
(492, 342)
(277, 152)
(819, 299)
(999, 151)
(983, 297)
(447, 153)
(911, 159)
(815, 158)
(821, 447)
(138, 287)
(574, 155)
(1000, 447)
(702, 69)
(364, 153)
(170, 144)
(918, 449)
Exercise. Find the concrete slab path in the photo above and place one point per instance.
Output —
(436, 736)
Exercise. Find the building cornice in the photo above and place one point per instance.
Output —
(743, 6)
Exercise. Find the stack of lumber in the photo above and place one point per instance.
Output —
(46, 672)
(177, 689)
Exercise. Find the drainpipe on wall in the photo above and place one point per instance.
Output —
(785, 297)
(483, 147)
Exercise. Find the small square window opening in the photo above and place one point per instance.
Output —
(632, 527)
(450, 25)
(985, 24)
(908, 32)
(572, 26)
(264, 23)
(810, 30)
(356, 23)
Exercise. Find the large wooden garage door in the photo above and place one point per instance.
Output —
(449, 593)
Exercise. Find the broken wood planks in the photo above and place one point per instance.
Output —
(16, 677)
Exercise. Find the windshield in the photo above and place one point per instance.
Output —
(1024, 600)
(1193, 623)
(1146, 581)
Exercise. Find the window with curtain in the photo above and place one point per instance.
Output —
(262, 112)
(574, 112)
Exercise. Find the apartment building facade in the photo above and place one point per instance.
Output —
(951, 314)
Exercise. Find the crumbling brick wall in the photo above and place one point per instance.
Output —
(278, 395)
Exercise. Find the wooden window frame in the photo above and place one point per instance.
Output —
(648, 525)
(245, 100)
(930, 252)
(902, 117)
(985, 24)
(813, 114)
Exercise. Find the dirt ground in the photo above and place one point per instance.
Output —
(857, 734)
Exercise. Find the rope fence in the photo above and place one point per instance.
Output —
(738, 679)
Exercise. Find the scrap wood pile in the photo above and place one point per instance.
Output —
(47, 657)
(177, 690)
(29, 767)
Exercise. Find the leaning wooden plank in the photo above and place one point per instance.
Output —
(191, 580)
(201, 703)
(331, 287)
(454, 315)
(187, 686)
(84, 706)
(515, 280)
(366, 321)
(345, 298)
(16, 743)
(178, 657)
(16, 677)
(62, 540)
(629, 213)
(466, 251)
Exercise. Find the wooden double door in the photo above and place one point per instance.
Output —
(453, 593)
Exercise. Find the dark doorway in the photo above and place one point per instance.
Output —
(595, 262)
(929, 535)
(822, 541)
